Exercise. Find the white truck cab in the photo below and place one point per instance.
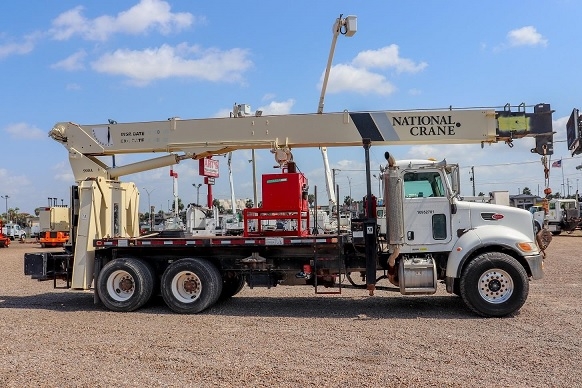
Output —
(563, 215)
(464, 243)
(14, 231)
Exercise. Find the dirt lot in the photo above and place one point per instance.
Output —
(287, 336)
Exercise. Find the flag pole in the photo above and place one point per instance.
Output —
(563, 183)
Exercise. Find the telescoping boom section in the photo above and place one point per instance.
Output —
(198, 138)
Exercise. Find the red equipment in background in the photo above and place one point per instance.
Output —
(4, 239)
(374, 206)
(285, 207)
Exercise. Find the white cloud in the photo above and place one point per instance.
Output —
(278, 108)
(73, 86)
(139, 19)
(24, 131)
(182, 60)
(526, 36)
(358, 76)
(72, 62)
(18, 48)
(347, 78)
(387, 58)
(559, 126)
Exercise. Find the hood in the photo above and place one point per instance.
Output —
(492, 214)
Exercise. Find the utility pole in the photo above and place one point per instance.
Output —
(197, 187)
(473, 178)
(332, 204)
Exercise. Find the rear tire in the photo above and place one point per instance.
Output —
(191, 285)
(232, 286)
(494, 284)
(125, 284)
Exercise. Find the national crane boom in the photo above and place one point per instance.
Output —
(199, 138)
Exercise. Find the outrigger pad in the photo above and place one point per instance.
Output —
(35, 265)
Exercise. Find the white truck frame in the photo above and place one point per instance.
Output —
(484, 253)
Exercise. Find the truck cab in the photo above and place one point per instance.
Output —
(14, 231)
(439, 234)
(435, 216)
(563, 215)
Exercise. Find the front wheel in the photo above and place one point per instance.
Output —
(494, 284)
(191, 285)
(125, 284)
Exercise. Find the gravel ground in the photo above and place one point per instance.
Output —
(287, 336)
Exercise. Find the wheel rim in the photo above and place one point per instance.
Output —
(186, 287)
(120, 285)
(495, 286)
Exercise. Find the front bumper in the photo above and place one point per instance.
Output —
(536, 265)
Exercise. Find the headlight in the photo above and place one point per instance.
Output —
(527, 247)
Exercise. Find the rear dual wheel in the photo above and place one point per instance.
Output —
(191, 285)
(125, 284)
(231, 286)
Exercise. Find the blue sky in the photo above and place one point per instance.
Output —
(147, 60)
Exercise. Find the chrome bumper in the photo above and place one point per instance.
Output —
(536, 265)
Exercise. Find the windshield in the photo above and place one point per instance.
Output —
(423, 184)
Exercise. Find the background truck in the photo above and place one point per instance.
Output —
(484, 253)
(563, 215)
(14, 231)
(54, 226)
(539, 217)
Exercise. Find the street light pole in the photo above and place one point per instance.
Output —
(6, 198)
(149, 209)
(197, 186)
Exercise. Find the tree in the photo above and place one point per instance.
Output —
(216, 203)
(526, 191)
(249, 203)
(348, 200)
(481, 194)
(311, 199)
(180, 205)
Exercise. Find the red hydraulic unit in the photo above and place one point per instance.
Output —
(285, 210)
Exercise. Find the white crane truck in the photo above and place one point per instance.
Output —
(484, 253)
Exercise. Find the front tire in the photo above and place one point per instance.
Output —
(191, 285)
(125, 284)
(494, 284)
